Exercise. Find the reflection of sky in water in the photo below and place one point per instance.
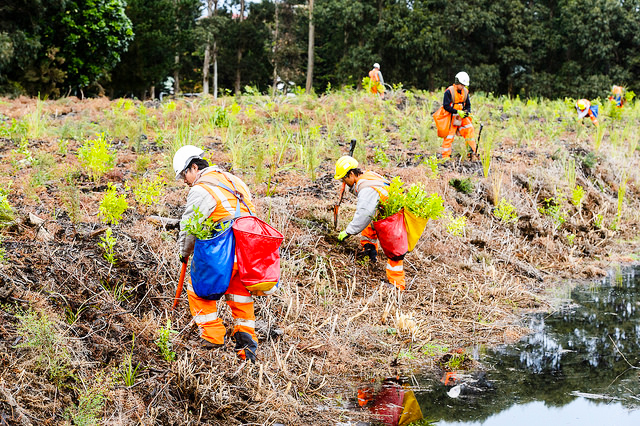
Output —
(580, 412)
(575, 349)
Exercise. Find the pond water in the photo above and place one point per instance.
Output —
(570, 371)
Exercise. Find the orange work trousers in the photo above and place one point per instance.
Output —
(395, 268)
(205, 313)
(465, 129)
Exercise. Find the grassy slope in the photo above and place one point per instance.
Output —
(71, 321)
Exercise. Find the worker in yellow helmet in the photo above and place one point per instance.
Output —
(370, 188)
(585, 109)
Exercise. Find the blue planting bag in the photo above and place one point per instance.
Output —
(594, 110)
(212, 265)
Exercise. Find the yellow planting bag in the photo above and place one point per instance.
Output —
(415, 227)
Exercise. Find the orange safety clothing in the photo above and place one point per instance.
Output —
(586, 111)
(462, 127)
(376, 84)
(395, 268)
(617, 95)
(238, 298)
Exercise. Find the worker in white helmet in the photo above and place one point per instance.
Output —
(377, 82)
(456, 103)
(218, 196)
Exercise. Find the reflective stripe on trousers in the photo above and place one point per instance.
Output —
(395, 273)
(465, 130)
(205, 312)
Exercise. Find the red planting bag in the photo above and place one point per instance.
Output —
(257, 253)
(393, 235)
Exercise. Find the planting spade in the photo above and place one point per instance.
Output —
(183, 272)
(342, 188)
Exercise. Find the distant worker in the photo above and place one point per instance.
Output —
(617, 95)
(377, 82)
(585, 108)
(213, 201)
(456, 103)
(370, 188)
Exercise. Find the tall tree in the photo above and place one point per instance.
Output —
(309, 84)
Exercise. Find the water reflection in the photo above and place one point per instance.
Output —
(573, 353)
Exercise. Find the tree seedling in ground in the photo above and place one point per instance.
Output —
(462, 185)
(128, 372)
(164, 342)
(108, 243)
(112, 206)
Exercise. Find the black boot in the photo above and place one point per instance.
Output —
(371, 252)
(246, 347)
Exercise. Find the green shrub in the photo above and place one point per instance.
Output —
(108, 243)
(96, 156)
(148, 191)
(203, 229)
(456, 226)
(112, 206)
(505, 211)
(6, 211)
(164, 342)
(394, 202)
(90, 403)
(553, 209)
(462, 185)
(423, 205)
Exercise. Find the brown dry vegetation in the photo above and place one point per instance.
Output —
(333, 324)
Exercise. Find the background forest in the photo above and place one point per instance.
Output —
(141, 48)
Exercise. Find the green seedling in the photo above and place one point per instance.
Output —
(108, 243)
(128, 372)
(164, 342)
(96, 156)
(506, 212)
(462, 185)
(112, 206)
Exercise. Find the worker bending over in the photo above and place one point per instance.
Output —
(585, 108)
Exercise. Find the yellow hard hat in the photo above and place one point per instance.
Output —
(582, 104)
(343, 165)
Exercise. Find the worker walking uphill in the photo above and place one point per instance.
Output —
(584, 109)
(456, 103)
(370, 188)
(377, 82)
(220, 196)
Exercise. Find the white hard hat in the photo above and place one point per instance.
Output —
(463, 78)
(183, 157)
(376, 65)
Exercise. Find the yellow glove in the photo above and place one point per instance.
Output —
(342, 236)
(463, 114)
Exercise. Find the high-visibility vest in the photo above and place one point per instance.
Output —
(373, 180)
(458, 99)
(226, 202)
(617, 90)
(374, 75)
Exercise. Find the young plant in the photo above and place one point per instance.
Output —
(112, 206)
(108, 243)
(128, 372)
(599, 136)
(147, 192)
(203, 229)
(6, 211)
(462, 185)
(506, 212)
(96, 155)
(42, 337)
(432, 163)
(423, 205)
(164, 342)
(394, 202)
(90, 403)
(553, 209)
(577, 197)
(456, 226)
(486, 154)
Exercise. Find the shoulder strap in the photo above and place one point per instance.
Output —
(206, 179)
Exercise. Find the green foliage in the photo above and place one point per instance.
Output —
(72, 316)
(147, 192)
(505, 211)
(108, 243)
(598, 221)
(423, 205)
(432, 163)
(486, 153)
(6, 211)
(97, 156)
(394, 202)
(91, 402)
(577, 196)
(553, 208)
(112, 206)
(456, 226)
(164, 342)
(589, 160)
(42, 337)
(128, 372)
(570, 239)
(464, 185)
(380, 156)
(456, 361)
(218, 117)
(203, 229)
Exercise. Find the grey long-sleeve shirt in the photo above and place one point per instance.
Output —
(365, 210)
